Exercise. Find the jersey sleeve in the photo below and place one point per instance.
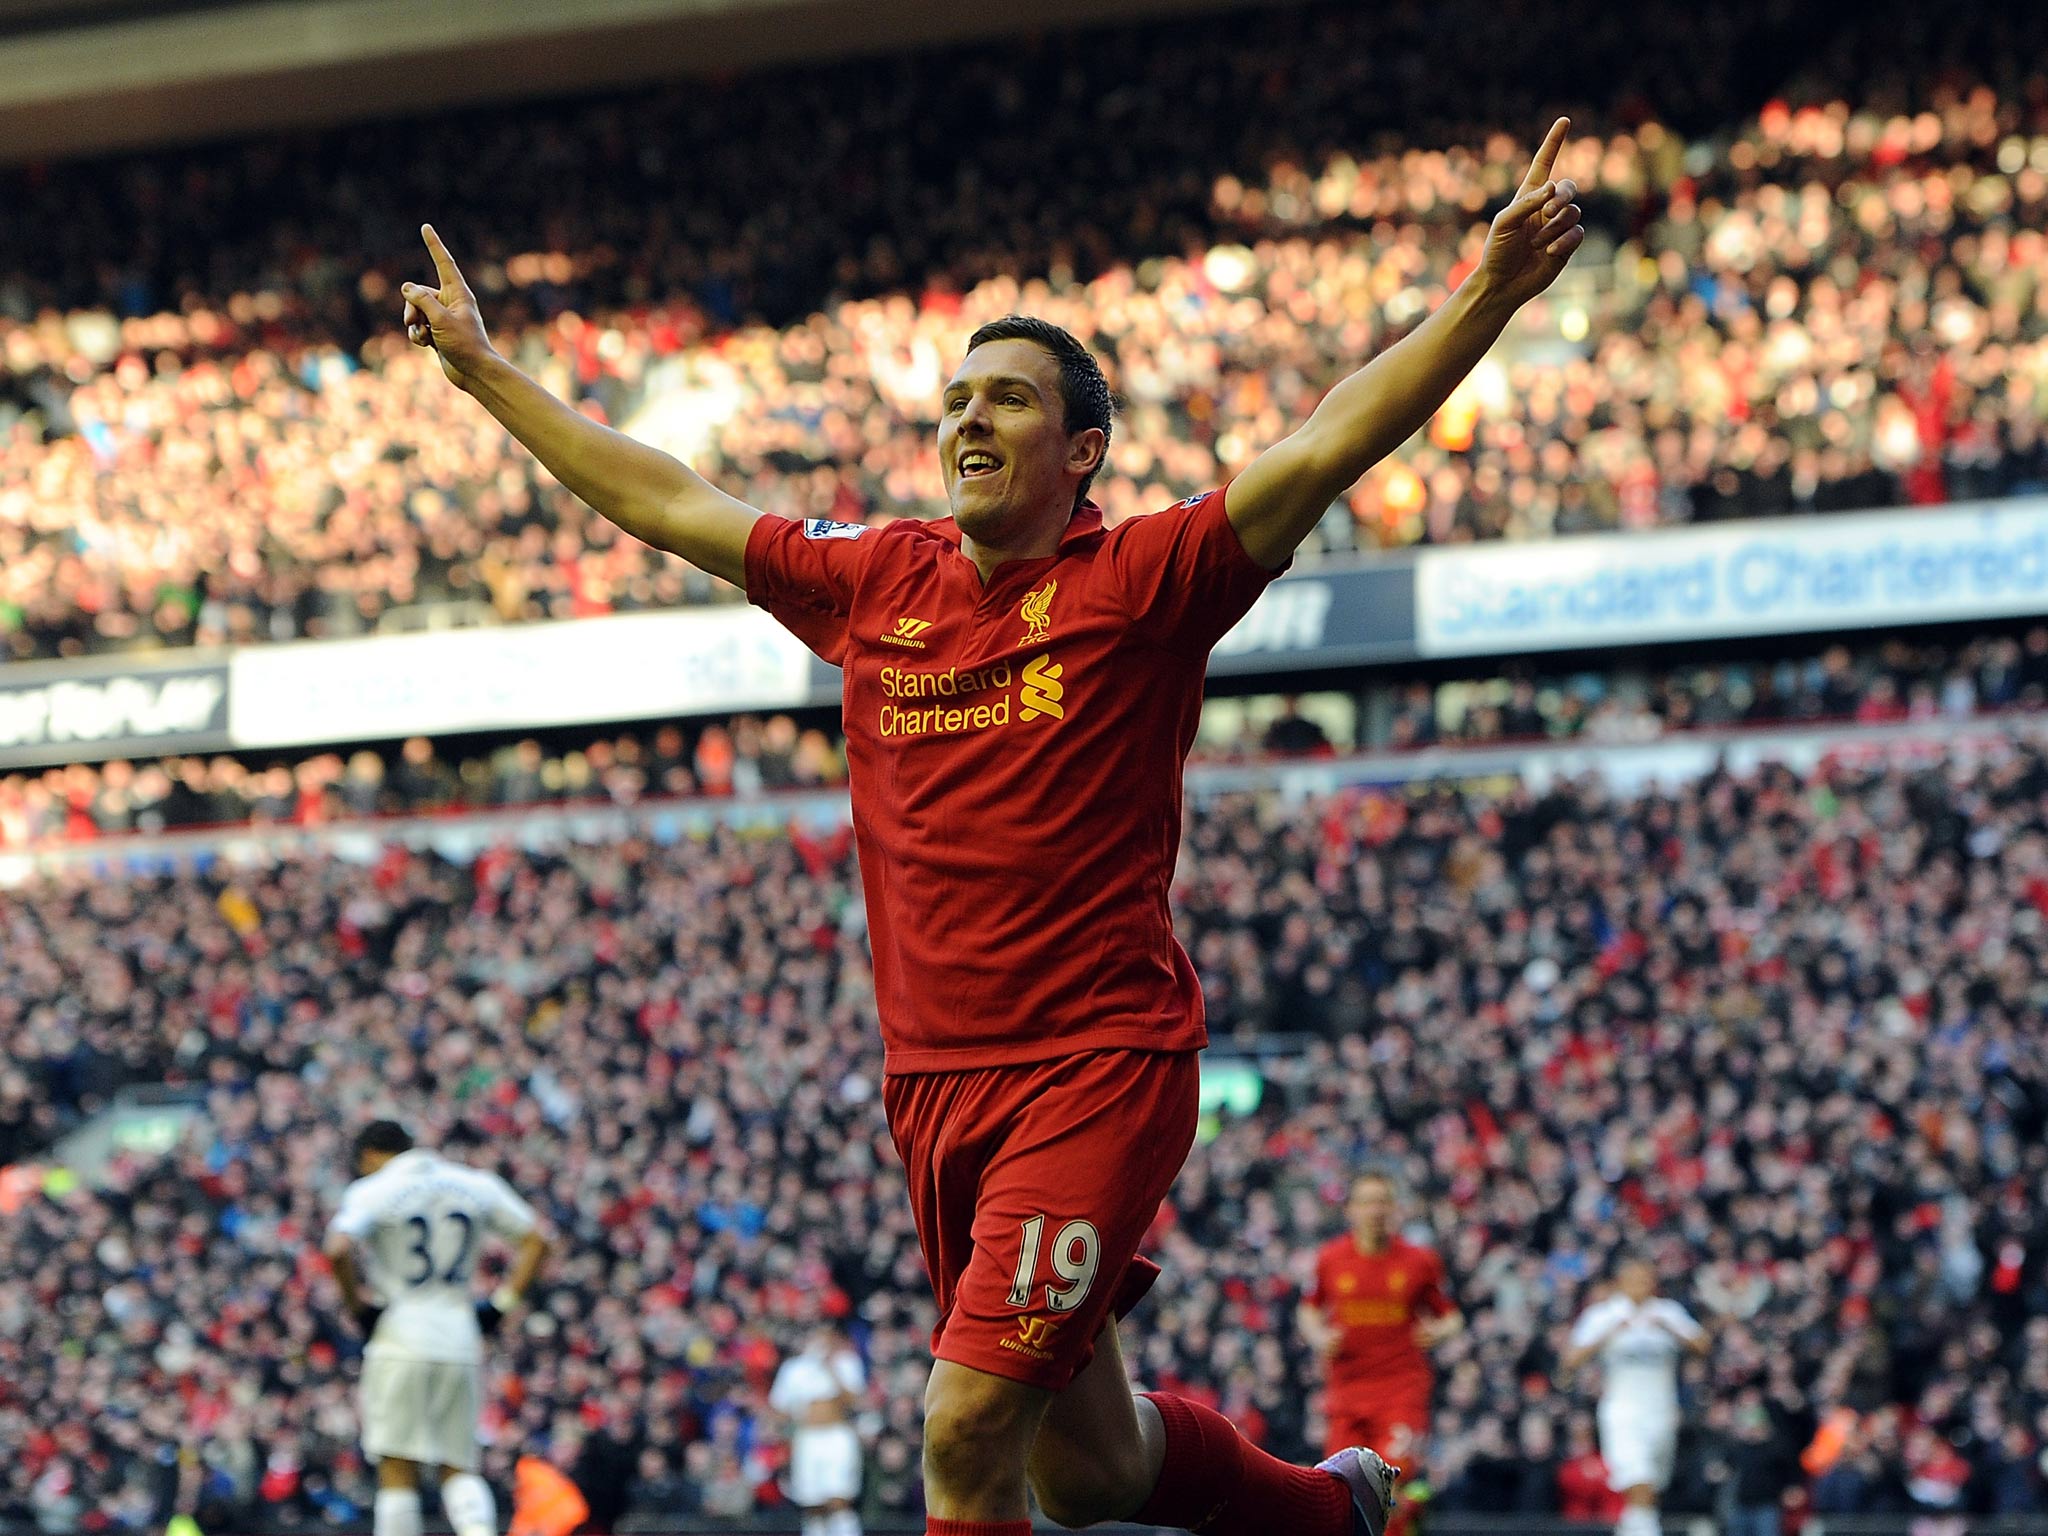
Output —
(783, 1397)
(357, 1214)
(805, 573)
(1184, 575)
(1319, 1288)
(1682, 1322)
(1592, 1325)
(1433, 1296)
(508, 1215)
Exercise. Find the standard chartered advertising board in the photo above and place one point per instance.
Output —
(1777, 576)
(1977, 560)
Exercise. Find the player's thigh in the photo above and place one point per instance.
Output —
(1091, 1453)
(454, 1403)
(1404, 1433)
(1638, 1450)
(1349, 1425)
(388, 1404)
(1063, 1204)
(825, 1466)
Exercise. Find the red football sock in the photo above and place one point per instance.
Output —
(1218, 1483)
(934, 1526)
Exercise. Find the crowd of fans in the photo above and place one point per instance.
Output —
(1830, 300)
(1898, 680)
(1781, 1032)
(1881, 683)
(744, 756)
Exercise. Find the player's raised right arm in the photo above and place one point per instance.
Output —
(651, 495)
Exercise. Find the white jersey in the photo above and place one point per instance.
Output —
(809, 1378)
(421, 1220)
(1640, 1356)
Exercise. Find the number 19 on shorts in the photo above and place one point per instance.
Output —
(1076, 1254)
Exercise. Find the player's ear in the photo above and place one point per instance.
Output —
(1086, 450)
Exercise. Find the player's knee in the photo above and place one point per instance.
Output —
(973, 1433)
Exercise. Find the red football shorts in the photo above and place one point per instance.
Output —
(1032, 1187)
(1391, 1417)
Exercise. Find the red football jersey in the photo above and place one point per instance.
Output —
(1375, 1300)
(1015, 755)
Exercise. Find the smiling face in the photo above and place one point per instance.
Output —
(1011, 468)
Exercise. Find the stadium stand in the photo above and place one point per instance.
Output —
(1779, 1028)
(1821, 301)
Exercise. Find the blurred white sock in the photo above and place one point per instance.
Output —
(395, 1512)
(842, 1523)
(466, 1500)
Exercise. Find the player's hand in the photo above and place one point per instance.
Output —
(446, 317)
(490, 1313)
(1534, 236)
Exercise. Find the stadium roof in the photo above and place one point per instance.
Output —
(78, 76)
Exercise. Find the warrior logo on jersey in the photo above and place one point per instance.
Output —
(825, 528)
(907, 631)
(1034, 1337)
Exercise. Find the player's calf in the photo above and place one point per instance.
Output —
(1102, 1483)
(978, 1431)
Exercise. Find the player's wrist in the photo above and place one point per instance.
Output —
(485, 373)
(1486, 299)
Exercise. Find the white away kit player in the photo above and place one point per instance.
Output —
(420, 1220)
(818, 1390)
(1638, 1336)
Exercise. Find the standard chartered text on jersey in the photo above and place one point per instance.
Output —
(1039, 697)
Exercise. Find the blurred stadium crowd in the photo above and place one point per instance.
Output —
(1780, 1031)
(1834, 300)
(1898, 680)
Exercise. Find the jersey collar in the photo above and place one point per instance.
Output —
(1084, 527)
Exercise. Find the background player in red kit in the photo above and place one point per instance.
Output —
(1378, 1306)
(1021, 688)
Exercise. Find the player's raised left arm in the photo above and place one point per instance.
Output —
(1287, 489)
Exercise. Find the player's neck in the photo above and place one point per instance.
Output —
(1380, 1244)
(1033, 539)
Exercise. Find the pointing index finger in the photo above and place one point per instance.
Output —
(444, 264)
(1546, 155)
